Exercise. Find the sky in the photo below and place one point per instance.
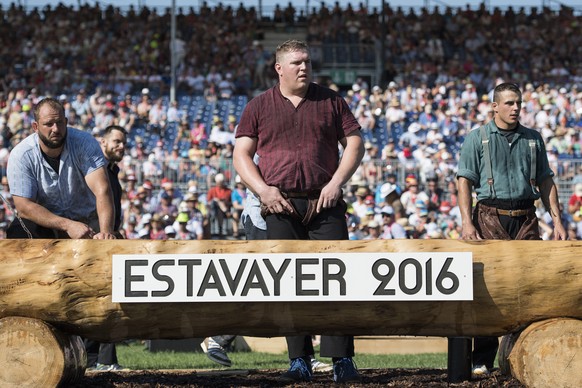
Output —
(268, 5)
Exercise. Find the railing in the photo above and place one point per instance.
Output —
(568, 173)
(267, 11)
(345, 53)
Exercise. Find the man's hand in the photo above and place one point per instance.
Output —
(329, 196)
(560, 232)
(104, 236)
(222, 205)
(469, 232)
(274, 201)
(79, 230)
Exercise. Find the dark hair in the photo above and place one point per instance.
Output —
(112, 128)
(504, 87)
(53, 103)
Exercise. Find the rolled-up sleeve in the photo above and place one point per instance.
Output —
(19, 172)
(470, 159)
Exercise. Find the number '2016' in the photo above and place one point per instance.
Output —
(418, 281)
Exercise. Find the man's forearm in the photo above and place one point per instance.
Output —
(246, 167)
(353, 153)
(98, 183)
(549, 194)
(465, 200)
(39, 214)
(105, 212)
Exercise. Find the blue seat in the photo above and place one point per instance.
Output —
(185, 100)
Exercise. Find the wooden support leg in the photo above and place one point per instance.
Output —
(545, 354)
(35, 354)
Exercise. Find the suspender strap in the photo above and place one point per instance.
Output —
(487, 160)
(532, 169)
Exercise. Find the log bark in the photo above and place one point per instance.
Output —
(547, 354)
(35, 354)
(68, 284)
(505, 347)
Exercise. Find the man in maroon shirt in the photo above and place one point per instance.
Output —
(295, 127)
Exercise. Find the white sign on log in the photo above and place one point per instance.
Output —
(293, 277)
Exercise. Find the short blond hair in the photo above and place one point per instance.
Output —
(290, 46)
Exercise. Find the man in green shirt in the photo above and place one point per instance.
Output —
(507, 165)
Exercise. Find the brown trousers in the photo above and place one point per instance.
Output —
(488, 224)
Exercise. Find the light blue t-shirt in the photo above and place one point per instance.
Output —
(65, 194)
(252, 207)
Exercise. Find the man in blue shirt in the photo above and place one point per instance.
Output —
(58, 180)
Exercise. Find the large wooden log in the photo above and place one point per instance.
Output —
(546, 354)
(68, 284)
(35, 354)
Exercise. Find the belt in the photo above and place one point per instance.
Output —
(302, 194)
(513, 213)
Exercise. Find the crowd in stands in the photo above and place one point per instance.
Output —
(63, 49)
(440, 69)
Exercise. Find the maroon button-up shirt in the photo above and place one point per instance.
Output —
(298, 147)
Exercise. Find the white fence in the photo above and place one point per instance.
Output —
(568, 173)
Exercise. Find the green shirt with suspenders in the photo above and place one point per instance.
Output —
(500, 170)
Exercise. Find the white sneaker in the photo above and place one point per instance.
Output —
(480, 370)
(318, 366)
(108, 367)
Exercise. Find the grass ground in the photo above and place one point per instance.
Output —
(135, 356)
